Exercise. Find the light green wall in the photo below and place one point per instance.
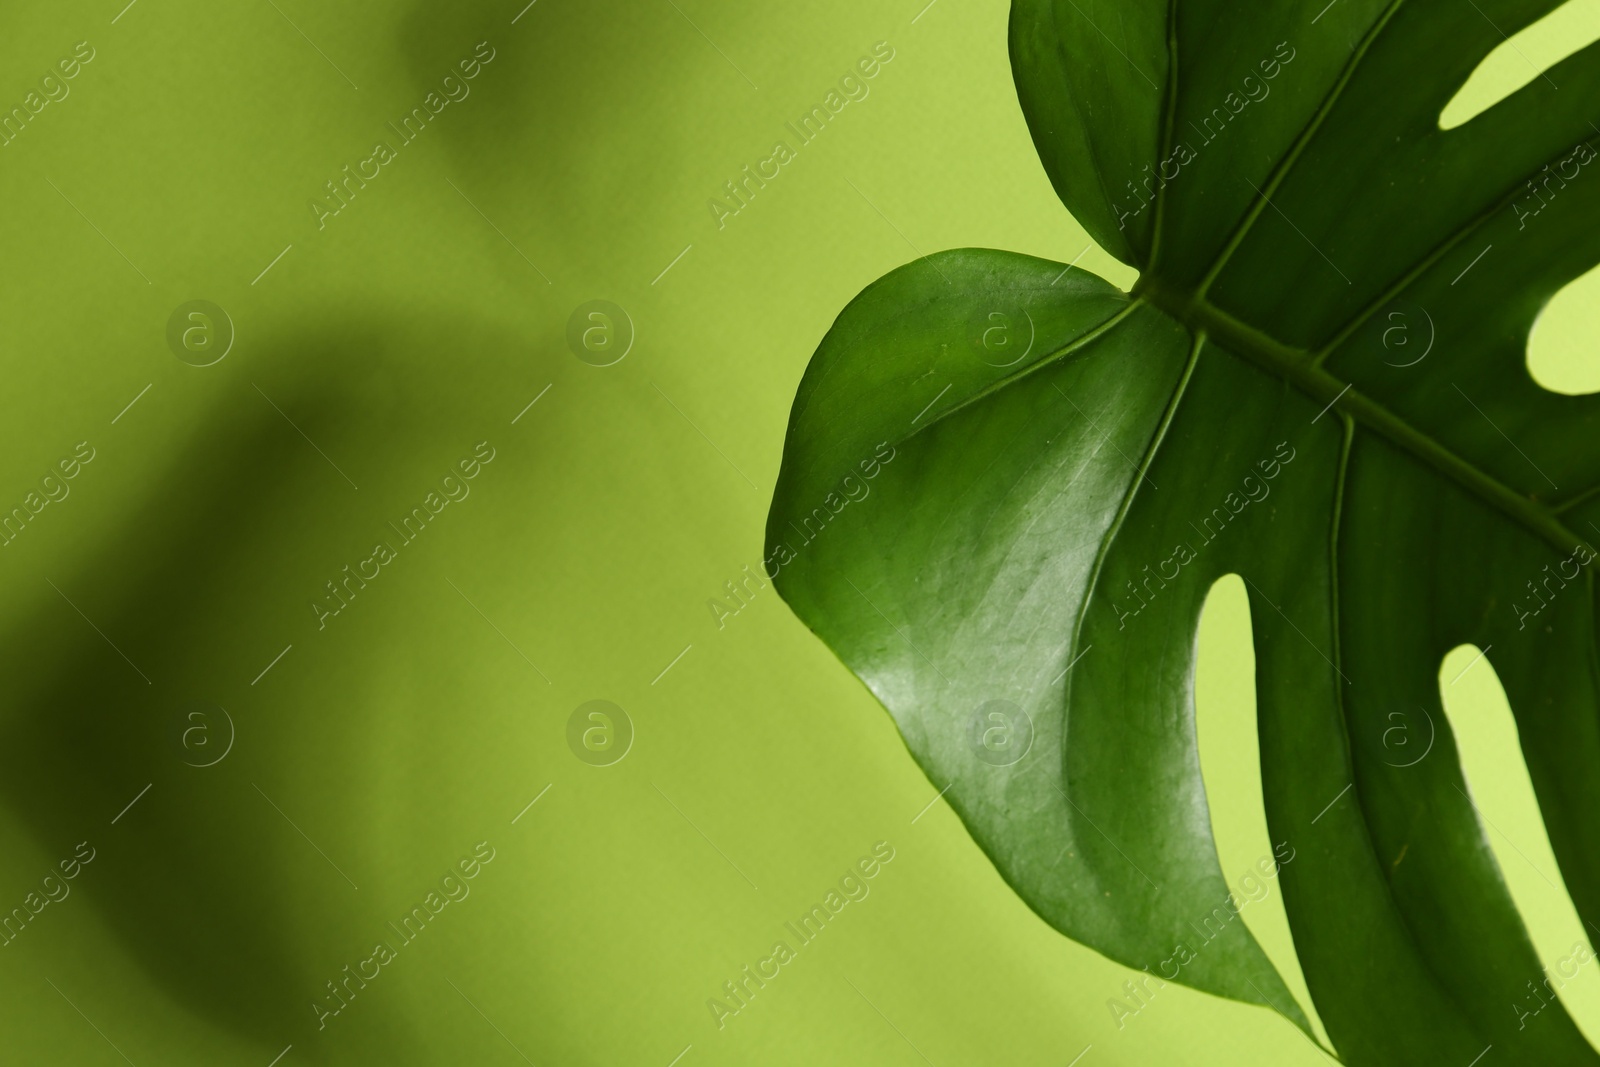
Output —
(378, 751)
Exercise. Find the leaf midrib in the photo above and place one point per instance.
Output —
(1299, 369)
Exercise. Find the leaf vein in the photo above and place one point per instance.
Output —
(1290, 158)
(1150, 452)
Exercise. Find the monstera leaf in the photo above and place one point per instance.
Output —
(1007, 488)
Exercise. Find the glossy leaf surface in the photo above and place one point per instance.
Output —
(1008, 487)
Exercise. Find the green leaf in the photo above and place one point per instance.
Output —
(1008, 487)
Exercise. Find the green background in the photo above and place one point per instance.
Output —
(426, 716)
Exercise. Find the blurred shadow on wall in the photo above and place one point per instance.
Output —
(187, 588)
(91, 732)
(194, 883)
(540, 135)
